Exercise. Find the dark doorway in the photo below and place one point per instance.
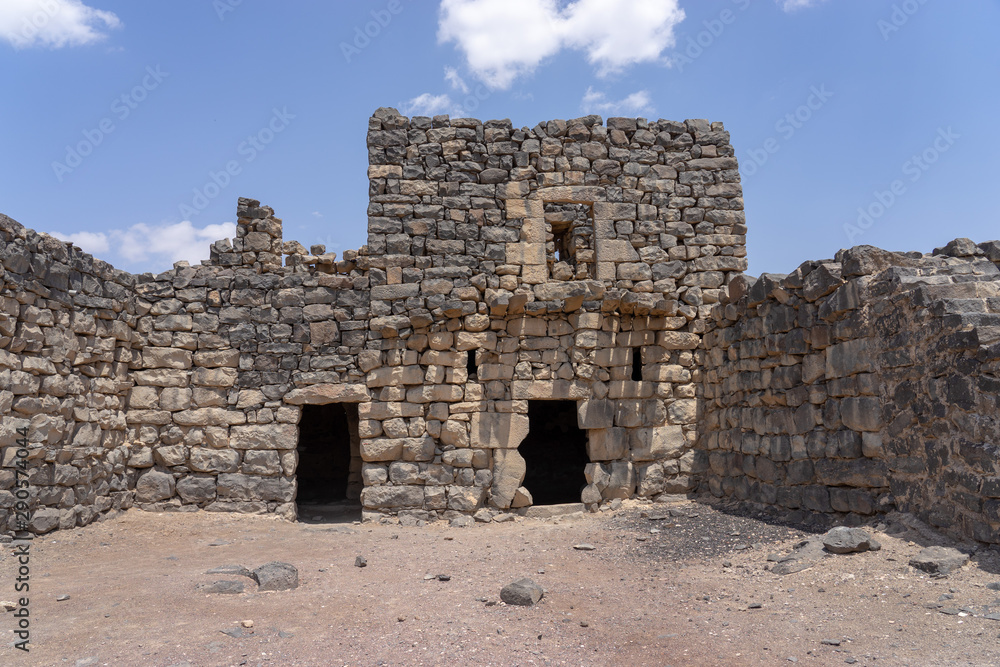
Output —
(329, 467)
(555, 453)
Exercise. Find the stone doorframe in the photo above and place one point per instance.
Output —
(326, 394)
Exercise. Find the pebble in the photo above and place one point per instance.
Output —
(830, 642)
(247, 624)
(584, 547)
(360, 561)
(62, 598)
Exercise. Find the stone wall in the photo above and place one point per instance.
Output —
(572, 261)
(553, 254)
(66, 345)
(858, 385)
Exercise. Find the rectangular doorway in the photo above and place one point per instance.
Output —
(554, 452)
(329, 467)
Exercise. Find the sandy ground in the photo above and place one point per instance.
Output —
(688, 587)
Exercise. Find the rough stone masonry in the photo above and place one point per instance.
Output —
(575, 261)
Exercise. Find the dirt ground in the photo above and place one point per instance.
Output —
(679, 584)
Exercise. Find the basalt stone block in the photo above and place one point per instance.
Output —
(154, 486)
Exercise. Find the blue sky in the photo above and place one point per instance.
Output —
(131, 128)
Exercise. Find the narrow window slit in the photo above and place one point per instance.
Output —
(636, 364)
(470, 366)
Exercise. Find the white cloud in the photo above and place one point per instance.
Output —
(96, 243)
(504, 39)
(429, 105)
(792, 5)
(53, 23)
(457, 82)
(638, 103)
(156, 246)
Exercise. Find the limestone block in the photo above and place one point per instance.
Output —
(615, 251)
(322, 394)
(595, 414)
(208, 417)
(382, 449)
(683, 411)
(622, 481)
(525, 254)
(174, 398)
(465, 498)
(265, 462)
(607, 444)
(418, 449)
(522, 498)
(650, 479)
(162, 377)
(214, 377)
(393, 376)
(455, 433)
(392, 497)
(170, 455)
(203, 459)
(660, 442)
(217, 358)
(678, 340)
(459, 458)
(508, 474)
(144, 398)
(496, 430)
(597, 474)
(166, 357)
(404, 473)
(264, 436)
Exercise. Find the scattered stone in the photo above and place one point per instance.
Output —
(231, 570)
(237, 632)
(443, 577)
(8, 606)
(844, 540)
(939, 560)
(755, 605)
(805, 554)
(584, 547)
(831, 642)
(62, 598)
(523, 592)
(276, 576)
(360, 561)
(223, 587)
(247, 624)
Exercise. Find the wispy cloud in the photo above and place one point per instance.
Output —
(457, 82)
(53, 23)
(504, 39)
(429, 105)
(151, 247)
(638, 103)
(793, 5)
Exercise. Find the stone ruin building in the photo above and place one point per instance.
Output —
(540, 316)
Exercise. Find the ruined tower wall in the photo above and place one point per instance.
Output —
(858, 385)
(554, 255)
(66, 342)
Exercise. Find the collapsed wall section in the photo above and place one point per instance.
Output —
(858, 385)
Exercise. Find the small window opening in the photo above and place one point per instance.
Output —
(560, 238)
(637, 364)
(470, 365)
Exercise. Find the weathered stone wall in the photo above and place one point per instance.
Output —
(66, 344)
(553, 254)
(570, 261)
(856, 385)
